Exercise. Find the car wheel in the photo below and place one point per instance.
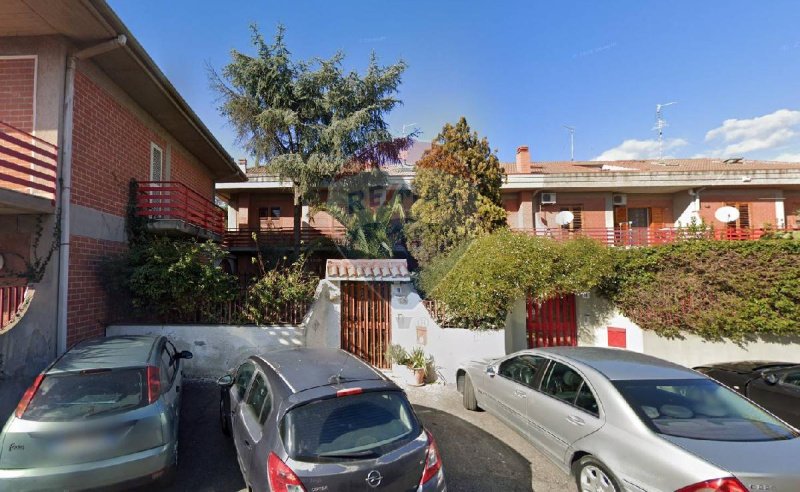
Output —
(592, 476)
(468, 396)
(224, 422)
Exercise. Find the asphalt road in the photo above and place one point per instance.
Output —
(479, 453)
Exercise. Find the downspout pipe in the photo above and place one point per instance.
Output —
(66, 178)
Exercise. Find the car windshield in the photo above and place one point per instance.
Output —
(350, 427)
(701, 409)
(77, 396)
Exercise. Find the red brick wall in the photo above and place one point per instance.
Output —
(791, 207)
(88, 306)
(111, 146)
(16, 92)
(762, 205)
(594, 209)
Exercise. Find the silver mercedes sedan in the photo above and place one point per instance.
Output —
(623, 421)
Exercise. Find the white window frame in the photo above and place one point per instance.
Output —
(153, 147)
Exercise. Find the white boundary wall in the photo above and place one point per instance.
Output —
(218, 349)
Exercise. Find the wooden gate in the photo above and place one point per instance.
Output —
(366, 323)
(552, 323)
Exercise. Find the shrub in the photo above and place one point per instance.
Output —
(500, 268)
(430, 276)
(284, 288)
(174, 279)
(715, 289)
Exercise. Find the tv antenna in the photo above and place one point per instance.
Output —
(404, 128)
(571, 131)
(661, 123)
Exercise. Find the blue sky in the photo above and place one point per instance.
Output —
(520, 70)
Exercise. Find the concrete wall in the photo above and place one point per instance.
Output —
(218, 348)
(692, 351)
(413, 326)
(323, 323)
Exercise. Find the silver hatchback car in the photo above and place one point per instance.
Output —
(623, 421)
(105, 414)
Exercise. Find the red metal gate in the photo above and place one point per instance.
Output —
(552, 323)
(366, 322)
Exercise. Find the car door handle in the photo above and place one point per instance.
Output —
(520, 394)
(574, 419)
(178, 388)
(247, 444)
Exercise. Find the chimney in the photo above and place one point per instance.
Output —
(523, 160)
(242, 165)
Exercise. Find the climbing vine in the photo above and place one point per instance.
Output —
(36, 266)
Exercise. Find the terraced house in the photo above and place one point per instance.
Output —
(83, 111)
(621, 203)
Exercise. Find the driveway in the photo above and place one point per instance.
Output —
(478, 452)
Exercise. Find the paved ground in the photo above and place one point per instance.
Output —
(478, 452)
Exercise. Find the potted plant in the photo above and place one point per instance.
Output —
(397, 358)
(418, 362)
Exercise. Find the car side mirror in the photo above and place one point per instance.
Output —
(490, 371)
(225, 381)
(770, 378)
(185, 355)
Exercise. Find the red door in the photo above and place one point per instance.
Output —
(552, 323)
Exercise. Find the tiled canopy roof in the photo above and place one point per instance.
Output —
(367, 270)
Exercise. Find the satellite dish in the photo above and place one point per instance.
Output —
(564, 218)
(727, 214)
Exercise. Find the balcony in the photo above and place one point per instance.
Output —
(13, 303)
(28, 168)
(174, 208)
(280, 237)
(645, 236)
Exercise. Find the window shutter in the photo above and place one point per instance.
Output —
(156, 163)
(657, 217)
(744, 216)
(621, 217)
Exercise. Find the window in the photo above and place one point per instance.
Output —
(243, 375)
(348, 428)
(700, 409)
(586, 400)
(743, 222)
(166, 369)
(792, 378)
(257, 397)
(156, 163)
(522, 369)
(269, 213)
(577, 222)
(76, 396)
(562, 382)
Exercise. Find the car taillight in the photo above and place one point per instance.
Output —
(432, 462)
(153, 384)
(281, 477)
(719, 485)
(28, 396)
(349, 392)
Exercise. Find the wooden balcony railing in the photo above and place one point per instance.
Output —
(27, 164)
(11, 298)
(280, 236)
(645, 236)
(171, 200)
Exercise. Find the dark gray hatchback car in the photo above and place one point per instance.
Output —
(319, 420)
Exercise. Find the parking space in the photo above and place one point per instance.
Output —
(479, 453)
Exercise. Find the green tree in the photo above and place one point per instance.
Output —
(308, 120)
(370, 232)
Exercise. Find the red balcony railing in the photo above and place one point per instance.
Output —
(645, 236)
(171, 200)
(27, 164)
(11, 298)
(280, 236)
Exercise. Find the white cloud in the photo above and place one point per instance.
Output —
(787, 157)
(762, 132)
(639, 149)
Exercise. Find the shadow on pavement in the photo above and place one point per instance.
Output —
(473, 459)
(207, 456)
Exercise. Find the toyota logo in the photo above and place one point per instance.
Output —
(374, 478)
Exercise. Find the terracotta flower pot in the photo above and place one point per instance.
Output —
(419, 376)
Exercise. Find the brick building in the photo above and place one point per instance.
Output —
(617, 202)
(83, 111)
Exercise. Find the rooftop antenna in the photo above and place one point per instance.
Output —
(661, 123)
(571, 131)
(405, 153)
(404, 128)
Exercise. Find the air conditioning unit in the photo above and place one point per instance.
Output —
(548, 198)
(619, 199)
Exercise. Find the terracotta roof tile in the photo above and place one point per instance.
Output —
(366, 270)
